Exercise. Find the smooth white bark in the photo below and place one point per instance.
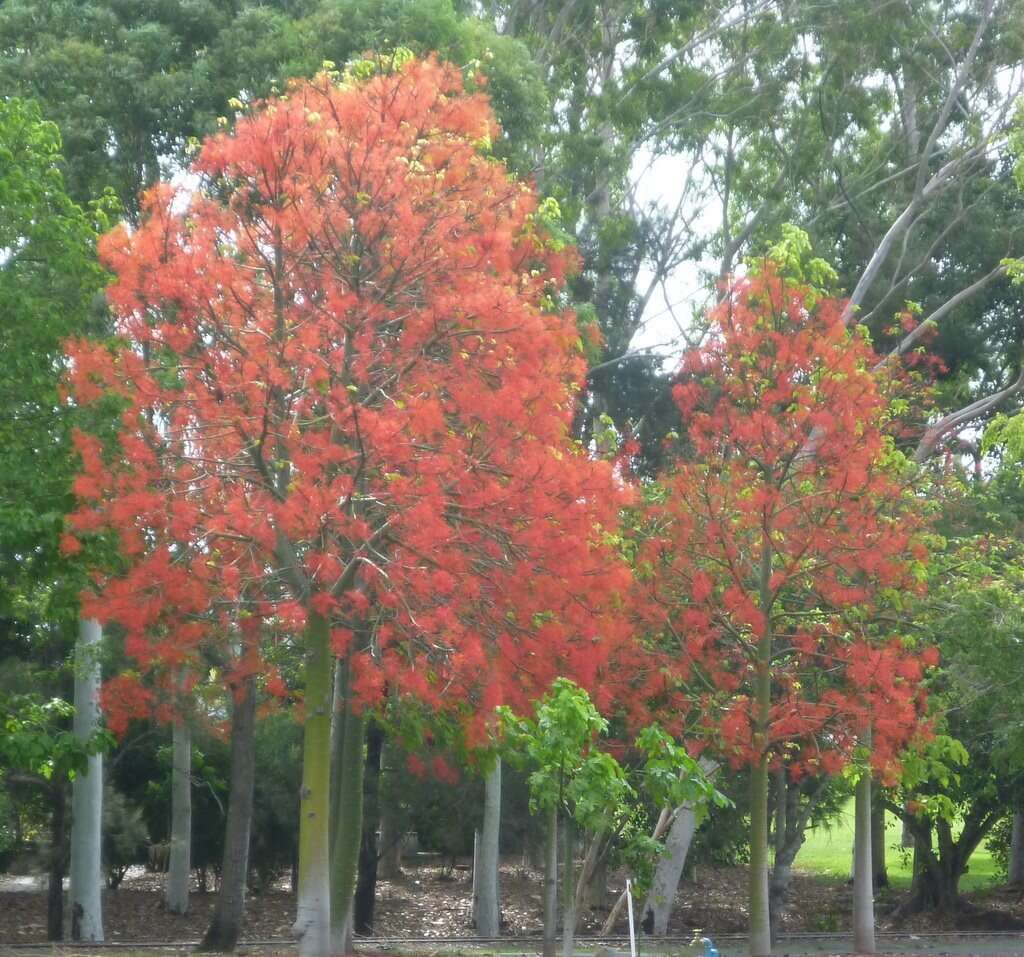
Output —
(863, 876)
(179, 871)
(669, 870)
(488, 910)
(87, 794)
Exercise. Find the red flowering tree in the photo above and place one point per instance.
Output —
(773, 540)
(347, 400)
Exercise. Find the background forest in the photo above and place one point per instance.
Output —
(657, 517)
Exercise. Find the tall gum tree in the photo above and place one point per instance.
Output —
(770, 542)
(348, 394)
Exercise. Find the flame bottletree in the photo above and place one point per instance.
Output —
(347, 414)
(771, 539)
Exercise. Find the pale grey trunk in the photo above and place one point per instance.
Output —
(180, 869)
(591, 884)
(863, 872)
(781, 792)
(1015, 865)
(795, 818)
(657, 908)
(87, 793)
(568, 887)
(664, 820)
(551, 883)
(595, 890)
(488, 911)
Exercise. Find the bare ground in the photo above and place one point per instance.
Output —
(433, 902)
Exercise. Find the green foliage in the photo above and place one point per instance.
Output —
(49, 282)
(125, 835)
(130, 85)
(671, 777)
(37, 738)
(792, 258)
(275, 829)
(571, 773)
(558, 743)
(932, 769)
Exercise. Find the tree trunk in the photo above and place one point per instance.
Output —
(551, 883)
(906, 834)
(568, 886)
(593, 871)
(781, 807)
(488, 910)
(87, 794)
(346, 814)
(661, 897)
(313, 916)
(55, 891)
(881, 878)
(225, 925)
(390, 866)
(863, 871)
(760, 938)
(366, 883)
(936, 881)
(667, 889)
(179, 871)
(595, 889)
(788, 842)
(1015, 863)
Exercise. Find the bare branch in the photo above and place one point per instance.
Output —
(957, 420)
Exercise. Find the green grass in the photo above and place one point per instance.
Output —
(829, 851)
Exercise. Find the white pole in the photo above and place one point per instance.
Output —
(632, 930)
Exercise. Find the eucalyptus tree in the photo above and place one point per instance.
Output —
(887, 140)
(49, 279)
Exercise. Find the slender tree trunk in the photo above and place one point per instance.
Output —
(390, 866)
(366, 884)
(595, 888)
(347, 817)
(568, 886)
(1015, 864)
(87, 794)
(881, 878)
(906, 834)
(863, 871)
(58, 860)
(592, 860)
(760, 941)
(788, 838)
(225, 925)
(488, 910)
(551, 884)
(781, 807)
(613, 915)
(313, 917)
(179, 871)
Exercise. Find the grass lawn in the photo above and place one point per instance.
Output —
(829, 851)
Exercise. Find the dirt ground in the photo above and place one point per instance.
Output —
(432, 902)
